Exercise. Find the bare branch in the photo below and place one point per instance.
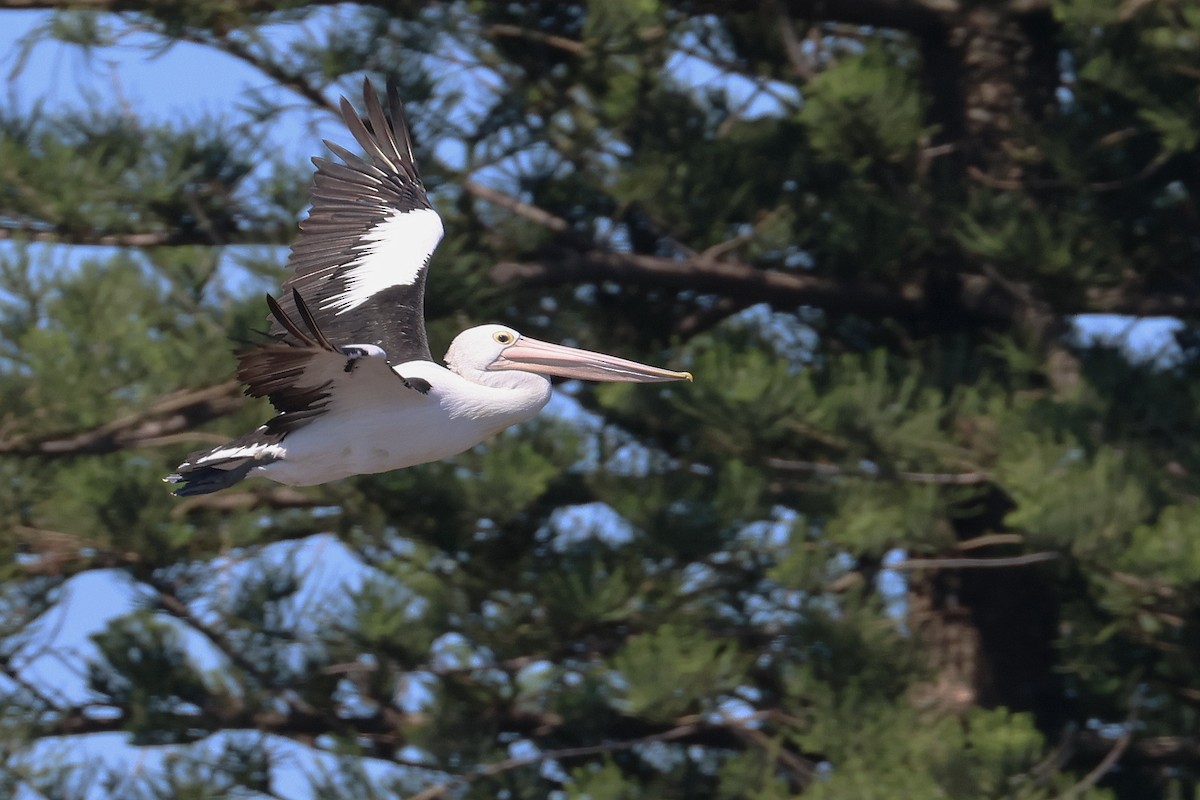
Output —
(990, 539)
(935, 478)
(1010, 185)
(45, 4)
(297, 83)
(801, 68)
(177, 412)
(14, 675)
(50, 234)
(513, 31)
(250, 6)
(732, 279)
(720, 249)
(1112, 757)
(914, 16)
(802, 770)
(981, 298)
(42, 234)
(972, 563)
(518, 207)
(989, 298)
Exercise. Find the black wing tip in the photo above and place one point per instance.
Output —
(349, 113)
(371, 100)
(310, 321)
(288, 324)
(314, 337)
(395, 133)
(391, 91)
(369, 94)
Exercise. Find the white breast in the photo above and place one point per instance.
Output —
(401, 427)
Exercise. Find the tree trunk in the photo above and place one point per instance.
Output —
(992, 72)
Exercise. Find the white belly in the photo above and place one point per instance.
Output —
(334, 448)
(397, 430)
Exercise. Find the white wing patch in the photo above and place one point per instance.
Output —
(393, 254)
(246, 451)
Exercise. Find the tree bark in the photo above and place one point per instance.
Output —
(991, 69)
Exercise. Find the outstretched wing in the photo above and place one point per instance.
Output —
(305, 375)
(364, 249)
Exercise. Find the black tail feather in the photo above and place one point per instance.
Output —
(219, 468)
(204, 480)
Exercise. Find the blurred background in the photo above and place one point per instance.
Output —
(924, 526)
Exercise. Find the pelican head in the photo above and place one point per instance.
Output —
(492, 348)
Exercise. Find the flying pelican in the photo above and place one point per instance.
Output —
(355, 388)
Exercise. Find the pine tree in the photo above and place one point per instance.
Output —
(907, 535)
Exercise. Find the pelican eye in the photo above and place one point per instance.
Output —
(504, 337)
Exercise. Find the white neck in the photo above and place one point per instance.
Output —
(508, 379)
(506, 396)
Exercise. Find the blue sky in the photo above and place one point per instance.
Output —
(192, 81)
(186, 81)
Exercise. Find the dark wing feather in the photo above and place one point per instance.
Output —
(363, 252)
(300, 373)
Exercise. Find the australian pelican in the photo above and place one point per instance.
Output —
(349, 372)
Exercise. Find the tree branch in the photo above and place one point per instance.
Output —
(731, 279)
(25, 5)
(275, 71)
(903, 15)
(246, 6)
(1111, 757)
(980, 298)
(934, 478)
(514, 31)
(518, 207)
(177, 412)
(682, 730)
(176, 238)
(316, 721)
(911, 16)
(972, 563)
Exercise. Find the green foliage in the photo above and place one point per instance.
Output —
(866, 110)
(600, 782)
(147, 672)
(989, 754)
(669, 671)
(101, 174)
(866, 231)
(1168, 550)
(1086, 504)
